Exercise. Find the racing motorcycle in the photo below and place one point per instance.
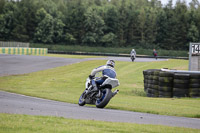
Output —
(132, 58)
(102, 95)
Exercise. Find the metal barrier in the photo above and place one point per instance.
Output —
(113, 54)
(14, 44)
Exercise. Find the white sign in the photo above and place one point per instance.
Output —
(194, 57)
(195, 48)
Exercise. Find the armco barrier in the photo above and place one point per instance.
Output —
(23, 51)
(113, 54)
(171, 83)
(14, 44)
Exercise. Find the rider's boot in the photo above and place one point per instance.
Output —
(99, 94)
(94, 85)
(95, 88)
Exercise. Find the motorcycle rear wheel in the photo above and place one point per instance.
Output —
(81, 101)
(105, 98)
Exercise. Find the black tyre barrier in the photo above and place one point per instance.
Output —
(193, 81)
(145, 72)
(165, 94)
(194, 95)
(183, 86)
(166, 79)
(155, 77)
(151, 82)
(149, 77)
(153, 92)
(155, 82)
(181, 81)
(179, 92)
(181, 76)
(166, 74)
(195, 76)
(155, 87)
(145, 79)
(194, 90)
(165, 89)
(157, 72)
(171, 83)
(194, 85)
(165, 84)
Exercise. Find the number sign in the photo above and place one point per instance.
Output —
(195, 48)
(194, 54)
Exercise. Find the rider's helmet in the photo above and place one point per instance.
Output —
(110, 63)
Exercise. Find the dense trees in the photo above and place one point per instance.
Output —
(110, 23)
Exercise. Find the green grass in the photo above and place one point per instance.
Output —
(42, 124)
(68, 82)
(116, 50)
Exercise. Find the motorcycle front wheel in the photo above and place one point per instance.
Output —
(81, 100)
(105, 98)
(132, 59)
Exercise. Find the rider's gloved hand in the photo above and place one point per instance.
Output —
(91, 77)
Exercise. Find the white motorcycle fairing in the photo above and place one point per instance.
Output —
(111, 81)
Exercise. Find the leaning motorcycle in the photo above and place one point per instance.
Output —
(100, 97)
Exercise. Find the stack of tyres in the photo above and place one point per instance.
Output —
(152, 82)
(181, 85)
(165, 84)
(155, 83)
(194, 85)
(149, 90)
(145, 74)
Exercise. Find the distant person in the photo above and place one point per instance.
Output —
(133, 54)
(155, 54)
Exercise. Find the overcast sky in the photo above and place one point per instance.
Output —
(164, 2)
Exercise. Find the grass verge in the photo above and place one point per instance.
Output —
(67, 83)
(31, 124)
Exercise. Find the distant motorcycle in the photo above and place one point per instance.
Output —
(133, 55)
(132, 58)
(100, 97)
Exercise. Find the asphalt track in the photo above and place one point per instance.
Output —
(20, 104)
(21, 64)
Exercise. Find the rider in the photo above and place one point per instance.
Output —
(107, 71)
(133, 53)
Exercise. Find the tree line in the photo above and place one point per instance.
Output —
(107, 23)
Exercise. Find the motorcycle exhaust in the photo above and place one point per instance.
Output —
(115, 92)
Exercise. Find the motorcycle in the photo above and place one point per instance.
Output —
(132, 58)
(102, 95)
(133, 55)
